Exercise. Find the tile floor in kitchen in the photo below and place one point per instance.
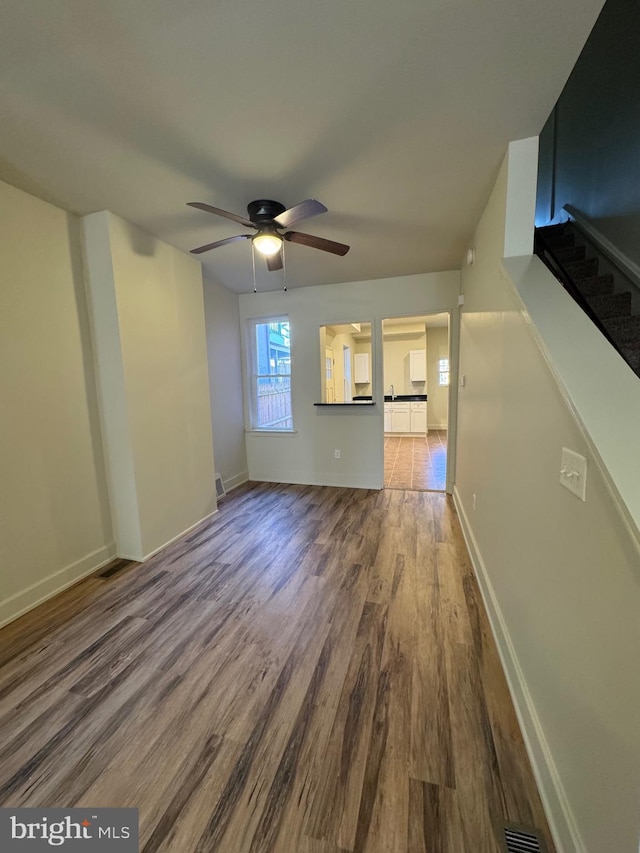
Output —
(416, 462)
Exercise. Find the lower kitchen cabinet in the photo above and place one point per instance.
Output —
(400, 417)
(403, 417)
(418, 418)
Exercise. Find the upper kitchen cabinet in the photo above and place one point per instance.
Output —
(361, 368)
(418, 365)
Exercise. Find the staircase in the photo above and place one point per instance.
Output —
(601, 290)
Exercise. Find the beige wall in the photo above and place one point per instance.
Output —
(54, 515)
(151, 358)
(307, 455)
(396, 360)
(561, 578)
(225, 383)
(438, 405)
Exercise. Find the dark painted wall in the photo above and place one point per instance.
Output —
(592, 140)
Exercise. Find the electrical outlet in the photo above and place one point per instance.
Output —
(573, 473)
(336, 454)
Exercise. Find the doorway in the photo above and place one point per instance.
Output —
(329, 378)
(346, 371)
(416, 401)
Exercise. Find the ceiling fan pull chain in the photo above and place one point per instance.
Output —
(284, 267)
(253, 261)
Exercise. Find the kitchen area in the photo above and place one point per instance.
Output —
(416, 379)
(416, 391)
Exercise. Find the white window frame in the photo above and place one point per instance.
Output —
(254, 376)
(444, 374)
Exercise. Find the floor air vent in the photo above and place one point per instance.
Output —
(116, 566)
(522, 839)
(220, 490)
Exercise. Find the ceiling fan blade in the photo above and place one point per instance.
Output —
(224, 242)
(316, 242)
(304, 210)
(274, 262)
(241, 220)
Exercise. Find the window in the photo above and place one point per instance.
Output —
(271, 376)
(443, 371)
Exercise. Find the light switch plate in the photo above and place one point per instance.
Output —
(573, 473)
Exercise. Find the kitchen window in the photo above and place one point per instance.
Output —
(271, 375)
(443, 371)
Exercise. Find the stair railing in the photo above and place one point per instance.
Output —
(627, 267)
(548, 255)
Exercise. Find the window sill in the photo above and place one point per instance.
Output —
(271, 431)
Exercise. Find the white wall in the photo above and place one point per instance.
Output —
(54, 514)
(151, 358)
(438, 402)
(307, 456)
(561, 578)
(225, 383)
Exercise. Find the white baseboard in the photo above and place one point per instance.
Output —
(320, 478)
(25, 600)
(235, 481)
(170, 541)
(437, 426)
(562, 823)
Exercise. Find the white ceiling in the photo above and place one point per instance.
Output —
(394, 115)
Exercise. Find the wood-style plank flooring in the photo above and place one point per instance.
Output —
(311, 671)
(416, 461)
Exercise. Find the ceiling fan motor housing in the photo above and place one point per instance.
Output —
(264, 210)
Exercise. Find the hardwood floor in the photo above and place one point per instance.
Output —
(311, 671)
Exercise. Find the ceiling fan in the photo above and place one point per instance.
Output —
(269, 219)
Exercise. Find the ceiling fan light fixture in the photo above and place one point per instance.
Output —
(267, 244)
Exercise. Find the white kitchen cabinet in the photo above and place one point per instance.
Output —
(404, 417)
(418, 418)
(361, 368)
(397, 417)
(400, 417)
(418, 365)
(387, 417)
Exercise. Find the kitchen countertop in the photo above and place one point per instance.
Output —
(397, 398)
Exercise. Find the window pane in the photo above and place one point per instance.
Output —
(274, 402)
(272, 376)
(273, 348)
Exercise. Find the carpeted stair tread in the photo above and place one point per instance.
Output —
(582, 269)
(569, 253)
(631, 354)
(623, 330)
(597, 285)
(612, 305)
(560, 241)
(613, 310)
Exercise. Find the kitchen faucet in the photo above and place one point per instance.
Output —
(393, 393)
